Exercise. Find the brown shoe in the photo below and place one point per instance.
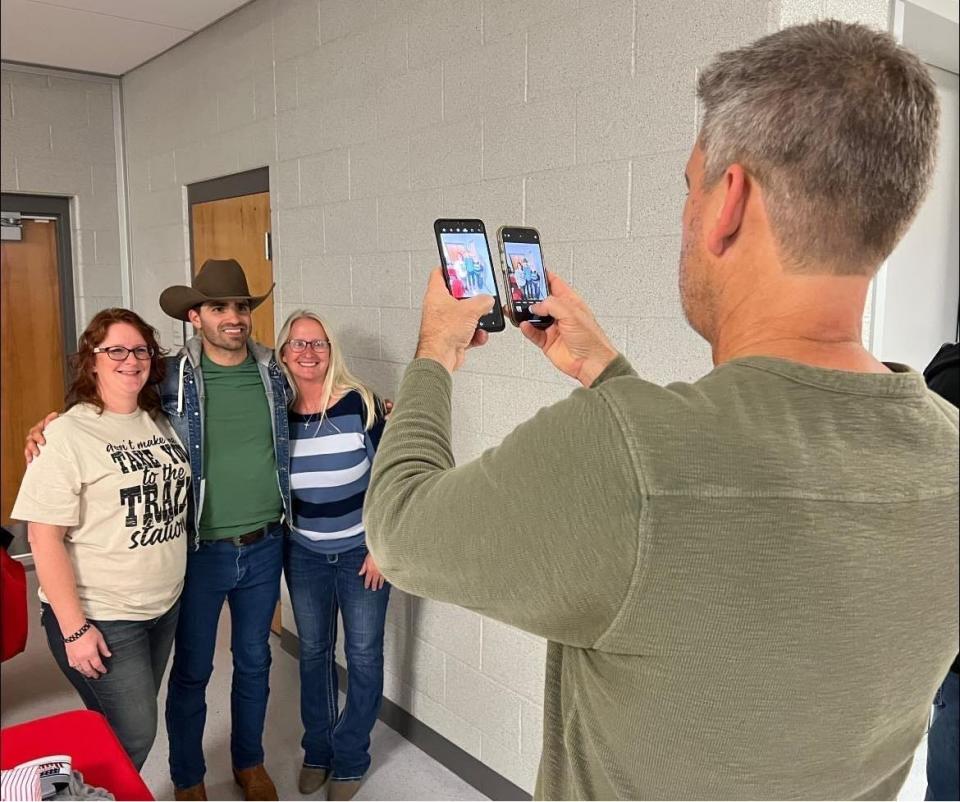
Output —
(343, 789)
(194, 792)
(312, 778)
(256, 783)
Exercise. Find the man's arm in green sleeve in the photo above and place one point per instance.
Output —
(540, 532)
(618, 367)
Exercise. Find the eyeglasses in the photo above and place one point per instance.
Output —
(119, 354)
(301, 345)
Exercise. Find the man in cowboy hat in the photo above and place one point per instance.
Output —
(225, 396)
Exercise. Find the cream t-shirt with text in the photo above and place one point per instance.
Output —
(120, 483)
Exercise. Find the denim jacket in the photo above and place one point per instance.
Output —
(181, 394)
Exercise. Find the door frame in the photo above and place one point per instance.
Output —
(932, 37)
(249, 182)
(57, 209)
(235, 185)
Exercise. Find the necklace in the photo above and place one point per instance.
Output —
(318, 416)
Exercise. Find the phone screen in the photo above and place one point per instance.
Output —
(528, 282)
(467, 261)
(523, 273)
(468, 266)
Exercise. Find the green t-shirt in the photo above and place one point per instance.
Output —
(240, 467)
(748, 584)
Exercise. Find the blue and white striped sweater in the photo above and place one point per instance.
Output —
(329, 472)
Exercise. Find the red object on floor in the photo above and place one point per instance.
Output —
(87, 738)
(13, 584)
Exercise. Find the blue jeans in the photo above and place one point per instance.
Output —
(248, 578)
(320, 584)
(943, 742)
(127, 694)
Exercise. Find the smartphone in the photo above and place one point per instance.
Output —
(524, 276)
(468, 266)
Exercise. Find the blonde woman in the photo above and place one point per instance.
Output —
(335, 428)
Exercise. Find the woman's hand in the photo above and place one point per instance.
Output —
(372, 578)
(59, 584)
(84, 654)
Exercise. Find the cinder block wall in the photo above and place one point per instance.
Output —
(58, 139)
(374, 118)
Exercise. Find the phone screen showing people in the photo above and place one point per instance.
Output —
(524, 275)
(468, 266)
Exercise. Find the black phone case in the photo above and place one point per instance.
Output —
(495, 320)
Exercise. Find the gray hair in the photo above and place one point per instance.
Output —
(838, 124)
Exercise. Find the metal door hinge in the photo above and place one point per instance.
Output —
(267, 246)
(11, 228)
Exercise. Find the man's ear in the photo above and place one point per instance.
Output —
(194, 317)
(734, 185)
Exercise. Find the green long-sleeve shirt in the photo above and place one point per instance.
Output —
(748, 584)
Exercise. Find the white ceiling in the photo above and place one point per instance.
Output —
(106, 36)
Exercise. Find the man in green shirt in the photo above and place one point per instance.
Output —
(748, 583)
(226, 397)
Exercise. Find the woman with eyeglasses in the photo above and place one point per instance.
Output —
(106, 505)
(335, 428)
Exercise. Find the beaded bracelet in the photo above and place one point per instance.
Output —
(78, 634)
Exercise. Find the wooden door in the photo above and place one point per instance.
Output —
(31, 351)
(236, 228)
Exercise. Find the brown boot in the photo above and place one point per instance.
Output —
(191, 794)
(343, 790)
(256, 783)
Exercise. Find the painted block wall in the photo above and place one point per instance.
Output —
(375, 117)
(59, 139)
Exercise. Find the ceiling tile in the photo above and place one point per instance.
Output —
(58, 37)
(191, 15)
(107, 36)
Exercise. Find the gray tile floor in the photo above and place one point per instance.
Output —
(32, 686)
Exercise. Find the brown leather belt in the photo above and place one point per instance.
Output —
(252, 537)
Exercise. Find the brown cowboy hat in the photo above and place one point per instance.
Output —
(216, 280)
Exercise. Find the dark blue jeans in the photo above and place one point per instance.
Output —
(320, 585)
(248, 579)
(127, 694)
(943, 742)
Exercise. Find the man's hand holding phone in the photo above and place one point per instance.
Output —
(448, 327)
(575, 343)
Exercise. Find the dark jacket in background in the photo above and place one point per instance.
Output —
(943, 377)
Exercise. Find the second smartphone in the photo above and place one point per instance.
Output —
(467, 265)
(524, 276)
